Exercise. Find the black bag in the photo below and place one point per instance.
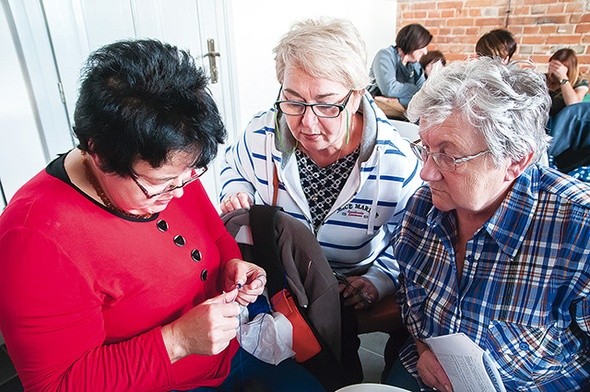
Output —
(281, 243)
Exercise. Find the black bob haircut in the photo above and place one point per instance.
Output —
(145, 100)
(412, 37)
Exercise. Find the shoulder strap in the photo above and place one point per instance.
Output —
(275, 186)
(266, 251)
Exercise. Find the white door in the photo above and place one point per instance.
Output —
(74, 28)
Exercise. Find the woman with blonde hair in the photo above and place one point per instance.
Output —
(326, 154)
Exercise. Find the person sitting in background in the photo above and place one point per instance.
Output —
(396, 71)
(432, 59)
(496, 246)
(566, 87)
(496, 43)
(117, 273)
(327, 156)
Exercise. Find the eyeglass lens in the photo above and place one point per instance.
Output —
(326, 110)
(320, 110)
(442, 160)
(196, 173)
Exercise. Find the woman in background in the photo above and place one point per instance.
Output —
(566, 87)
(396, 72)
(497, 43)
(431, 60)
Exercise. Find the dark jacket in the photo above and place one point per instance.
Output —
(309, 275)
(570, 129)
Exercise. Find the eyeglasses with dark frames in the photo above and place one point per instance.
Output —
(442, 160)
(324, 110)
(196, 173)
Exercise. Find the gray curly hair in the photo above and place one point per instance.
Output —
(508, 104)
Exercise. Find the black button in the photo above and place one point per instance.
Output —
(204, 274)
(179, 240)
(196, 255)
(162, 225)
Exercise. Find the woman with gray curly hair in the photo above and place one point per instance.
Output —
(496, 246)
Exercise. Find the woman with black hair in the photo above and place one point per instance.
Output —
(116, 274)
(396, 70)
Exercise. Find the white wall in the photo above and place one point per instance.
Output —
(259, 24)
(18, 122)
(33, 122)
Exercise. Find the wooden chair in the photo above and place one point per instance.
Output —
(383, 316)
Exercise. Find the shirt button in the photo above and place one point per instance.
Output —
(196, 255)
(162, 225)
(523, 346)
(179, 240)
(204, 274)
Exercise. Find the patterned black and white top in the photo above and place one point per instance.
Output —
(322, 185)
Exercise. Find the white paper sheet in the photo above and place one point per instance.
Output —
(468, 366)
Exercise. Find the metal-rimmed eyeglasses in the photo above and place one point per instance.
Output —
(325, 110)
(442, 160)
(196, 173)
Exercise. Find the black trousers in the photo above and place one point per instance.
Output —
(336, 373)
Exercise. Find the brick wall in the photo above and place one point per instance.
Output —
(540, 26)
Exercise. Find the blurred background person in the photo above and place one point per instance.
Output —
(431, 60)
(327, 156)
(396, 72)
(566, 87)
(117, 273)
(497, 43)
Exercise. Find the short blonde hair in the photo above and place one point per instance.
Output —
(325, 48)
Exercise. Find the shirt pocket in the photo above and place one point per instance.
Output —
(528, 353)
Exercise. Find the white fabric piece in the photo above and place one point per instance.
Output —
(269, 337)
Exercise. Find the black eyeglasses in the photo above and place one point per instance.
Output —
(196, 173)
(442, 160)
(325, 110)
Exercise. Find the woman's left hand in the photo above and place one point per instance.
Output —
(249, 278)
(359, 292)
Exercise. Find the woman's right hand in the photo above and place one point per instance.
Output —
(206, 329)
(557, 69)
(430, 370)
(235, 202)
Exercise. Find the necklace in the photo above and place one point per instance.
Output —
(102, 195)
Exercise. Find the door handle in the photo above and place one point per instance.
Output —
(212, 54)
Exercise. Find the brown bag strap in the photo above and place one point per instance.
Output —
(275, 186)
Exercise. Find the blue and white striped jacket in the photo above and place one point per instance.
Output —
(357, 231)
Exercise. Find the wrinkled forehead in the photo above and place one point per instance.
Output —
(455, 128)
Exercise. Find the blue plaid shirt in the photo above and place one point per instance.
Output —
(524, 291)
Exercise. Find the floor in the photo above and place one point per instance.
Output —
(371, 354)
